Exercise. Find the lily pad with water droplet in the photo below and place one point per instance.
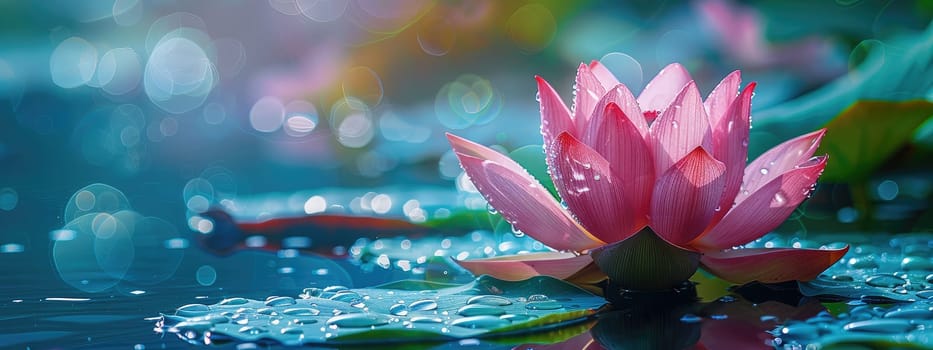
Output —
(373, 317)
(885, 279)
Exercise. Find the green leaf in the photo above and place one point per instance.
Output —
(484, 308)
(863, 136)
(532, 158)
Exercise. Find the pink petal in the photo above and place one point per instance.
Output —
(770, 265)
(617, 138)
(466, 147)
(661, 90)
(764, 209)
(602, 73)
(730, 145)
(590, 189)
(719, 100)
(681, 128)
(524, 266)
(777, 161)
(588, 92)
(555, 117)
(685, 197)
(520, 198)
(624, 101)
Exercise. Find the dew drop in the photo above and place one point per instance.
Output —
(233, 301)
(537, 297)
(478, 309)
(690, 318)
(191, 310)
(482, 321)
(885, 280)
(358, 320)
(423, 305)
(779, 199)
(543, 305)
(492, 300)
(281, 301)
(253, 330)
(398, 309)
(763, 171)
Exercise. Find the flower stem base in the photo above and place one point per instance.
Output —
(645, 262)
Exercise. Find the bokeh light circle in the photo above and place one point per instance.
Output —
(323, 10)
(301, 118)
(194, 28)
(352, 122)
(436, 36)
(363, 83)
(156, 258)
(222, 182)
(285, 7)
(469, 100)
(267, 114)
(214, 113)
(95, 198)
(89, 262)
(206, 275)
(73, 63)
(866, 58)
(532, 27)
(626, 69)
(8, 199)
(179, 75)
(127, 12)
(119, 71)
(198, 195)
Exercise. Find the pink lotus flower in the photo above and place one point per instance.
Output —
(652, 187)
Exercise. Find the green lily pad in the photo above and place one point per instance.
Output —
(400, 312)
(863, 136)
(893, 270)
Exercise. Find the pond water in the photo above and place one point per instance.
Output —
(268, 294)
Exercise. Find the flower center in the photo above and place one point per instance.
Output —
(650, 116)
(646, 262)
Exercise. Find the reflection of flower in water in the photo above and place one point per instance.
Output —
(651, 187)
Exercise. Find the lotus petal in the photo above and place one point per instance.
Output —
(588, 91)
(523, 266)
(770, 265)
(685, 197)
(527, 205)
(591, 190)
(680, 129)
(718, 102)
(661, 90)
(777, 161)
(730, 145)
(469, 148)
(555, 117)
(617, 138)
(764, 209)
(625, 101)
(605, 76)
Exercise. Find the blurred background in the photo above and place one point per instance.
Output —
(169, 107)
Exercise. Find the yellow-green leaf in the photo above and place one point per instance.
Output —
(864, 135)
